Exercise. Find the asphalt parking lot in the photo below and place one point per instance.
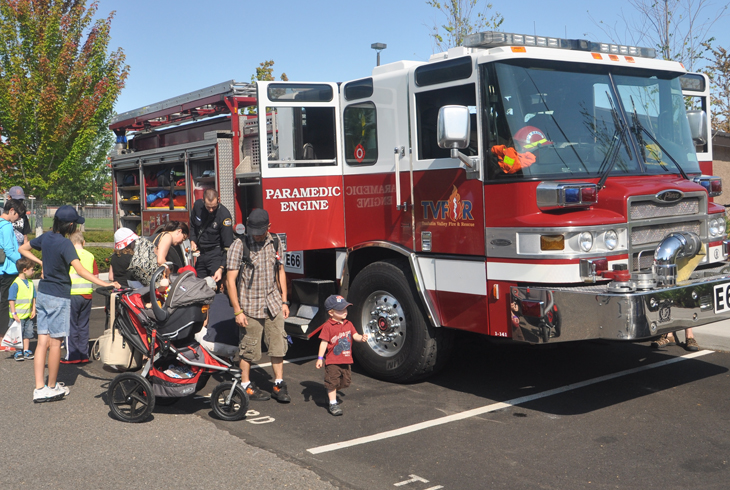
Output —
(580, 415)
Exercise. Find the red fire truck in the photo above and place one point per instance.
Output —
(530, 188)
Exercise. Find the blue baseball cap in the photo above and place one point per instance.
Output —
(68, 213)
(336, 302)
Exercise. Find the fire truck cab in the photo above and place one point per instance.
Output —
(529, 188)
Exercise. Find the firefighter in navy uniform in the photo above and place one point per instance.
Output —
(211, 233)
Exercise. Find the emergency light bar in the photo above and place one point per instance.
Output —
(713, 185)
(559, 195)
(493, 39)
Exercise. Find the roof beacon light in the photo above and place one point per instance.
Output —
(559, 195)
(493, 39)
(713, 185)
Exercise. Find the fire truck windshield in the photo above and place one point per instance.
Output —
(547, 120)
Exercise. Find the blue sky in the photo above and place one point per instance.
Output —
(177, 46)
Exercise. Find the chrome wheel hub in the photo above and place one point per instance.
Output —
(383, 319)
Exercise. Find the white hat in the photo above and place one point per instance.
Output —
(123, 237)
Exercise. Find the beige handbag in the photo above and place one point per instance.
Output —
(114, 351)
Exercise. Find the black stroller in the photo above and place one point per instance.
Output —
(176, 365)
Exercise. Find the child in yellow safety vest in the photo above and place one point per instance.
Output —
(22, 305)
(77, 342)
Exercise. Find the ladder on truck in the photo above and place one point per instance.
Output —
(222, 98)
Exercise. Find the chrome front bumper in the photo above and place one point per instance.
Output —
(541, 315)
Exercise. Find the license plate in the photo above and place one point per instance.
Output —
(294, 262)
(722, 298)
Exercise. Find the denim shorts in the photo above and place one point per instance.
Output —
(54, 315)
(26, 325)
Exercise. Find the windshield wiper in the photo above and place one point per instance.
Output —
(621, 130)
(638, 129)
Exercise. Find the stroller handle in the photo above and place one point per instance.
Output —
(160, 314)
(105, 291)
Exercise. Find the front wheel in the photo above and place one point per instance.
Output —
(131, 398)
(229, 406)
(402, 346)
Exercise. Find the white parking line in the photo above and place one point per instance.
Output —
(98, 307)
(496, 406)
(267, 364)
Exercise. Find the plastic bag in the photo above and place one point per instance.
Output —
(13, 337)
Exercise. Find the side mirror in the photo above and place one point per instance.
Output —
(454, 125)
(698, 126)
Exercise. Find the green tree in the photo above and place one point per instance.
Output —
(678, 29)
(719, 72)
(462, 17)
(91, 184)
(264, 73)
(58, 86)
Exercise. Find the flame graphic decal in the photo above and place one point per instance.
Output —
(454, 206)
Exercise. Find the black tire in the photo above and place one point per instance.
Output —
(402, 346)
(131, 398)
(238, 406)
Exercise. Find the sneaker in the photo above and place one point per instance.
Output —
(280, 393)
(61, 389)
(335, 409)
(255, 394)
(663, 341)
(691, 345)
(45, 394)
(28, 355)
(19, 356)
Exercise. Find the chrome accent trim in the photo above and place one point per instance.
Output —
(550, 195)
(672, 247)
(496, 238)
(431, 311)
(590, 312)
(588, 270)
(685, 219)
(426, 241)
(669, 196)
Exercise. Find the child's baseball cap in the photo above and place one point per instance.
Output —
(336, 302)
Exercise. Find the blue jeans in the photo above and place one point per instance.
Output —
(77, 342)
(54, 315)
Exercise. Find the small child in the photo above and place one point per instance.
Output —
(337, 335)
(22, 305)
(77, 342)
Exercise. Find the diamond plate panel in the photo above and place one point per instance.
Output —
(648, 209)
(227, 182)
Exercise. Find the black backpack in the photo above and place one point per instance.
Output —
(246, 256)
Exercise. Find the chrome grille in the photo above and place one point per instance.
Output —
(641, 235)
(649, 209)
(647, 260)
(651, 220)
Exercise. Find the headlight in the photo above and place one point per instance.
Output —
(611, 239)
(586, 241)
(717, 227)
(713, 227)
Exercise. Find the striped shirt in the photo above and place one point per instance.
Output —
(257, 288)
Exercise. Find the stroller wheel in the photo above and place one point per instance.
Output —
(131, 398)
(223, 409)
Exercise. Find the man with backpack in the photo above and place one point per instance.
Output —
(256, 286)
